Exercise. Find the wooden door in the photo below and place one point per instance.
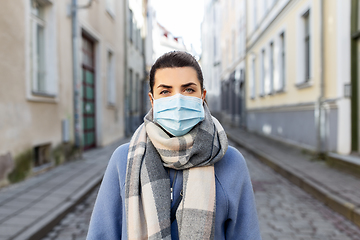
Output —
(88, 87)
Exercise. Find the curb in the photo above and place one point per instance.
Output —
(46, 224)
(330, 199)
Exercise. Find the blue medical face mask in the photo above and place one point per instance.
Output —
(178, 114)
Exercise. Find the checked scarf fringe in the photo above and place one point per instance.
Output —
(147, 187)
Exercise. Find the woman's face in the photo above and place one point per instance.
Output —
(171, 81)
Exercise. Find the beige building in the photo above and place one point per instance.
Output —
(223, 58)
(37, 85)
(353, 87)
(288, 69)
(135, 85)
(298, 64)
(211, 53)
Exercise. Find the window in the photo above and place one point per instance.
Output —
(139, 39)
(253, 79)
(281, 84)
(254, 13)
(111, 86)
(130, 87)
(131, 25)
(304, 53)
(42, 54)
(272, 68)
(265, 7)
(358, 15)
(233, 46)
(110, 7)
(306, 20)
(38, 47)
(214, 15)
(215, 46)
(136, 92)
(263, 73)
(242, 37)
(141, 42)
(42, 155)
(135, 38)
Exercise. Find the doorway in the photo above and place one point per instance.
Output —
(88, 90)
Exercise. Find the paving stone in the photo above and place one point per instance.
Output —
(30, 197)
(8, 230)
(285, 210)
(19, 220)
(32, 213)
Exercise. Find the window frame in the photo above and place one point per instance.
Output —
(304, 48)
(282, 65)
(253, 78)
(307, 45)
(110, 7)
(271, 68)
(35, 59)
(47, 90)
(110, 78)
(263, 72)
(131, 25)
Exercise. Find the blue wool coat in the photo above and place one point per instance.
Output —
(235, 218)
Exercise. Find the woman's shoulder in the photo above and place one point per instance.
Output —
(119, 156)
(232, 159)
(231, 166)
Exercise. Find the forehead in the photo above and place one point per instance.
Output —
(175, 76)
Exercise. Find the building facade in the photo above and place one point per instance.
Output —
(298, 63)
(135, 85)
(211, 54)
(353, 88)
(293, 65)
(37, 111)
(223, 58)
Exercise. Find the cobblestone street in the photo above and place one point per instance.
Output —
(76, 223)
(285, 211)
(288, 213)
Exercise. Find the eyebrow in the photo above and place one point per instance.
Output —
(183, 86)
(164, 86)
(188, 84)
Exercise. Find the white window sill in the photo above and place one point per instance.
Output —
(111, 13)
(42, 97)
(280, 91)
(304, 84)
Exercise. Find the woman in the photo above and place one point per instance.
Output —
(177, 179)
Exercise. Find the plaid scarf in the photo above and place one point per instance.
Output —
(147, 187)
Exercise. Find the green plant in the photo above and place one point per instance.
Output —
(58, 155)
(23, 163)
(64, 152)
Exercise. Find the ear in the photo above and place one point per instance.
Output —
(151, 99)
(204, 95)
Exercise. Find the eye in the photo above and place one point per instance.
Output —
(164, 92)
(189, 90)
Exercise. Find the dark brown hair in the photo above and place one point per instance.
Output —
(176, 59)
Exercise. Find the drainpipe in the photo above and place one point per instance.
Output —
(76, 79)
(76, 76)
(125, 102)
(320, 115)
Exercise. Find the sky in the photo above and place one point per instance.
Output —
(182, 18)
